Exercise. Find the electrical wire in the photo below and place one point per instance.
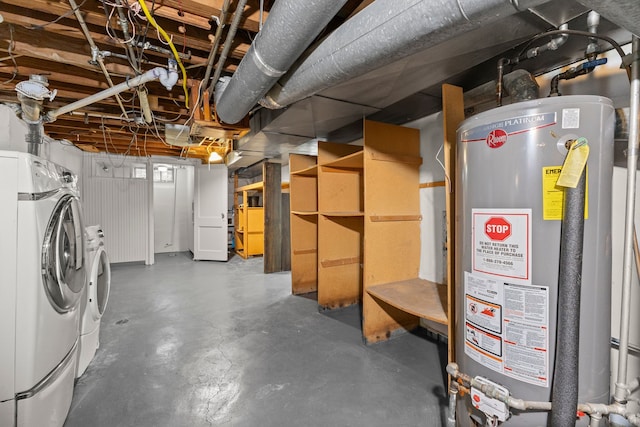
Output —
(13, 59)
(443, 168)
(173, 49)
(64, 15)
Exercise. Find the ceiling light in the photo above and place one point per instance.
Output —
(214, 157)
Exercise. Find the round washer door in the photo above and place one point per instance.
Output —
(63, 262)
(99, 284)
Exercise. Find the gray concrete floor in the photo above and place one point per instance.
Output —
(188, 343)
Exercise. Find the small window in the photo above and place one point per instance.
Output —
(162, 173)
(140, 172)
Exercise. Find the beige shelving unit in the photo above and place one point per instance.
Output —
(249, 222)
(340, 224)
(303, 189)
(355, 230)
(394, 298)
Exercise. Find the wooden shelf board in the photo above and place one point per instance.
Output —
(396, 158)
(338, 214)
(304, 212)
(419, 297)
(392, 218)
(340, 261)
(256, 186)
(351, 161)
(305, 251)
(310, 171)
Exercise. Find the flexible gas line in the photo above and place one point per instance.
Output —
(173, 49)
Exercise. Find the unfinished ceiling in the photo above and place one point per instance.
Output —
(46, 37)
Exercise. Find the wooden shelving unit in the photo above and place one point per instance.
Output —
(340, 224)
(394, 297)
(249, 222)
(355, 230)
(303, 189)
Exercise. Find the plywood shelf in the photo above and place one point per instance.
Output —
(350, 161)
(303, 188)
(310, 171)
(256, 186)
(395, 218)
(342, 214)
(419, 297)
(249, 222)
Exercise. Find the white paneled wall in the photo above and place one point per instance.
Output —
(121, 206)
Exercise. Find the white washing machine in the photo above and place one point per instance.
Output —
(42, 276)
(95, 298)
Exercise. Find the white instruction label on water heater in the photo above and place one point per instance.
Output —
(507, 327)
(502, 243)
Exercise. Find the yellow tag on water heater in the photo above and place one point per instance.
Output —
(574, 163)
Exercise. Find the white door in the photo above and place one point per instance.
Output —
(210, 213)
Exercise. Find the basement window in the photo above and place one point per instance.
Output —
(140, 172)
(162, 173)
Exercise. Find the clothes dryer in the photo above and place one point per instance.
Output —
(42, 276)
(95, 298)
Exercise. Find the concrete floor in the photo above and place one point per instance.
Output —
(194, 344)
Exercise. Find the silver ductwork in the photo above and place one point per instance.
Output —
(625, 13)
(383, 32)
(291, 27)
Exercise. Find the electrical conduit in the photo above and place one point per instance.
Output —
(94, 48)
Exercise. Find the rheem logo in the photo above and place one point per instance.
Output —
(496, 138)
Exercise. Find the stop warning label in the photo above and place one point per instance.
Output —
(502, 243)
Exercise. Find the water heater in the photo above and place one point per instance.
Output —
(509, 213)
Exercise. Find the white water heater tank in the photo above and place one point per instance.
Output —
(509, 213)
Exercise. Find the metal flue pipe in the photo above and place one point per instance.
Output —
(235, 23)
(382, 33)
(167, 78)
(216, 43)
(94, 48)
(291, 27)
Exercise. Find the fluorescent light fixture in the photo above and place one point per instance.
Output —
(214, 157)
